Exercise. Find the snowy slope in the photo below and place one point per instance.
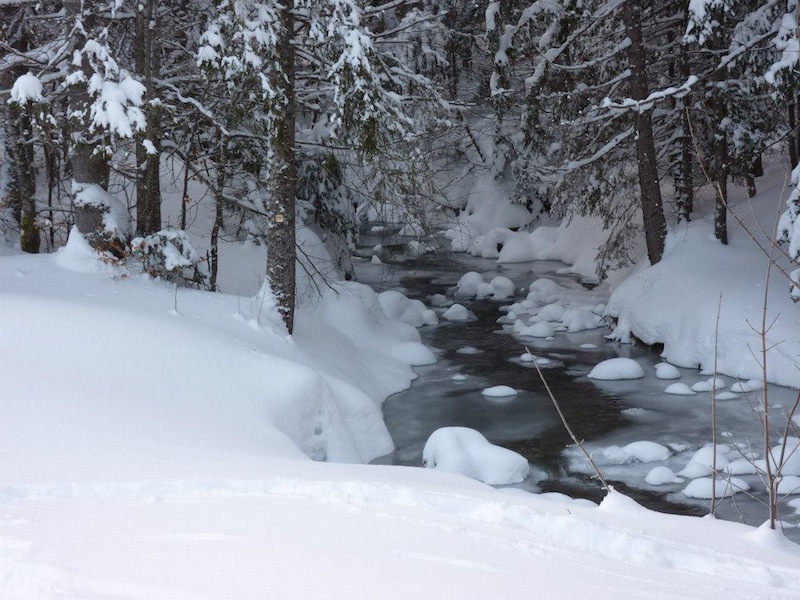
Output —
(675, 302)
(155, 446)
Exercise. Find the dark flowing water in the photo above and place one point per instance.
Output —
(600, 413)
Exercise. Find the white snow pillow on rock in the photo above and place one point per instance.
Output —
(617, 368)
(465, 451)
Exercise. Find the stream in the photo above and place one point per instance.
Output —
(603, 414)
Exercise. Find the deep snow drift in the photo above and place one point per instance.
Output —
(156, 445)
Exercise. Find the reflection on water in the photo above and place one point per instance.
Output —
(602, 413)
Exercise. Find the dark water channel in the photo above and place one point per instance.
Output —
(604, 414)
(526, 423)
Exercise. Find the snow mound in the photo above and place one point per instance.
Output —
(399, 307)
(544, 291)
(542, 329)
(440, 301)
(550, 312)
(580, 319)
(617, 368)
(705, 386)
(469, 350)
(679, 389)
(702, 462)
(499, 391)
(667, 371)
(412, 353)
(725, 396)
(662, 475)
(704, 488)
(78, 256)
(641, 451)
(457, 312)
(467, 286)
(465, 451)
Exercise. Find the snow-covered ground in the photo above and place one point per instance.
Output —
(155, 444)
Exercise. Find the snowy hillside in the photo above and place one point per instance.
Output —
(155, 445)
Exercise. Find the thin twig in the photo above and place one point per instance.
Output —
(578, 443)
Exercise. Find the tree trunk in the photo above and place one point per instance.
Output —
(655, 226)
(89, 163)
(281, 203)
(792, 115)
(20, 145)
(684, 158)
(148, 165)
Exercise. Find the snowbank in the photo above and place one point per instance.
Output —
(675, 302)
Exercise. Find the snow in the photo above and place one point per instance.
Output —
(157, 443)
(679, 389)
(27, 88)
(468, 350)
(499, 391)
(715, 383)
(617, 368)
(468, 285)
(541, 329)
(667, 371)
(662, 475)
(189, 476)
(675, 301)
(641, 451)
(465, 451)
(407, 310)
(704, 488)
(457, 312)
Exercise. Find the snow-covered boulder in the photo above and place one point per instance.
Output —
(544, 291)
(679, 389)
(705, 488)
(667, 371)
(499, 391)
(408, 310)
(716, 383)
(662, 475)
(642, 451)
(465, 451)
(617, 368)
(467, 286)
(457, 312)
(542, 329)
(580, 319)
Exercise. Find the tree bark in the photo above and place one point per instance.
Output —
(20, 146)
(655, 226)
(281, 255)
(148, 165)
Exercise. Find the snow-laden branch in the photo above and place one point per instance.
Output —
(647, 104)
(608, 147)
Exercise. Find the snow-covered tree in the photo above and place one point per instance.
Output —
(307, 74)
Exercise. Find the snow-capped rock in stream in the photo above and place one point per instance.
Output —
(457, 312)
(465, 451)
(617, 368)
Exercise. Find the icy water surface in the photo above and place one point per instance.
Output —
(602, 413)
